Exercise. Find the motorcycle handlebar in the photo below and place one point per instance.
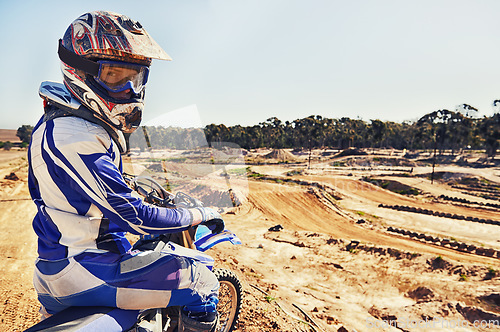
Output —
(158, 195)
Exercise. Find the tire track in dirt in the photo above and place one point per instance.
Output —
(358, 189)
(18, 304)
(295, 208)
(18, 310)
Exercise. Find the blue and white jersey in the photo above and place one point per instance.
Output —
(83, 203)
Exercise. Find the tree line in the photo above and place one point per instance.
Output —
(439, 130)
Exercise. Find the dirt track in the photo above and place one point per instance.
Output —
(18, 305)
(292, 206)
(300, 264)
(305, 264)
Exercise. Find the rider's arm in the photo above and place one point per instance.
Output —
(89, 167)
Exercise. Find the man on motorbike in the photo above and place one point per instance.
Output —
(84, 206)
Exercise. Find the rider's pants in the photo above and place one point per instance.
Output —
(136, 280)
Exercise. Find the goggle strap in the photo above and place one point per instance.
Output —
(76, 61)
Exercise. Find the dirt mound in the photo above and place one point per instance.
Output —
(293, 207)
(393, 186)
(421, 293)
(12, 176)
(451, 177)
(351, 152)
(474, 314)
(281, 155)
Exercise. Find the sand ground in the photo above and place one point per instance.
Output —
(310, 275)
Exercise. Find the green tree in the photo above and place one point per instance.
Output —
(24, 133)
(490, 132)
(377, 131)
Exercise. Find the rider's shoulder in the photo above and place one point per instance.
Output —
(79, 133)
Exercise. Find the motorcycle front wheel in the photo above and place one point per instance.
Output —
(230, 293)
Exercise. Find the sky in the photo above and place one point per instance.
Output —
(242, 62)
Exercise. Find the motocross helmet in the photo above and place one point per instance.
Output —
(103, 53)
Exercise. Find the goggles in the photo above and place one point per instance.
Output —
(117, 76)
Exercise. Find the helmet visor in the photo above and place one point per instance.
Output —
(117, 76)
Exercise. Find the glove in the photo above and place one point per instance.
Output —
(212, 219)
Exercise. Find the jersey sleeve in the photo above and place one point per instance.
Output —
(88, 165)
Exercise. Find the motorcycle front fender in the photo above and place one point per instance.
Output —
(204, 239)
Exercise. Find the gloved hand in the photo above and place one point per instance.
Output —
(212, 219)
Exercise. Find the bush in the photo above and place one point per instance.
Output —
(492, 273)
(7, 145)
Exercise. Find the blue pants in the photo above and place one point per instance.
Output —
(136, 280)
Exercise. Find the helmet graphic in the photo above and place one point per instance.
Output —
(102, 54)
